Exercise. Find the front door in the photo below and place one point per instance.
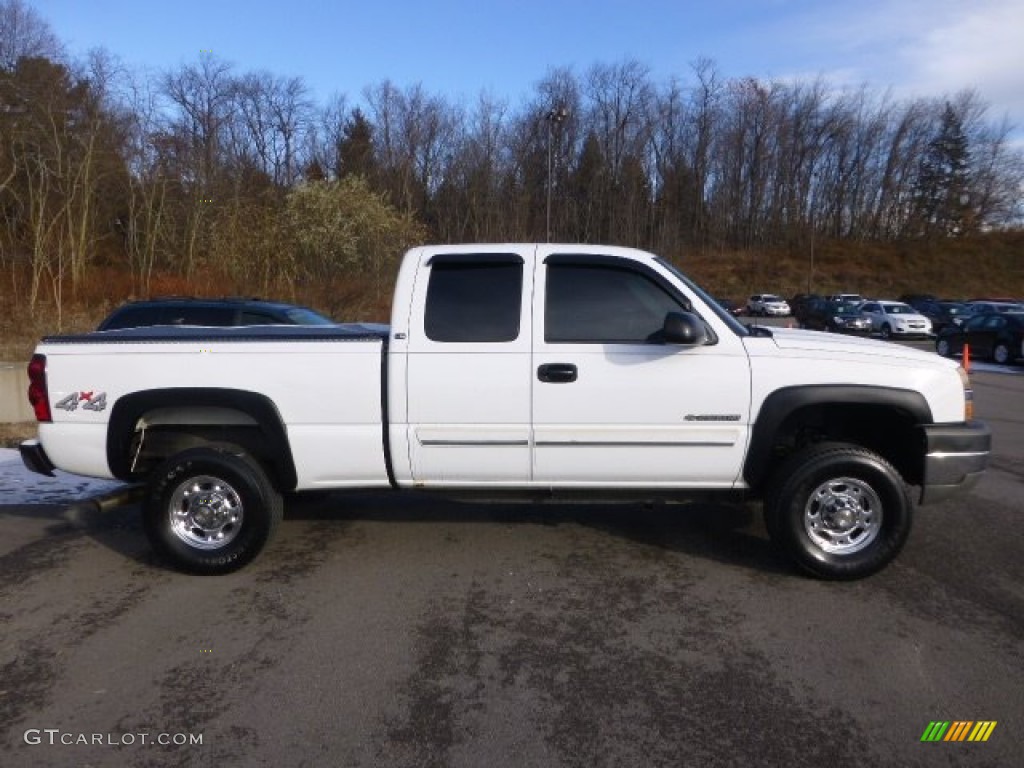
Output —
(613, 405)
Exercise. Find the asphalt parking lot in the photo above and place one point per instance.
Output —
(402, 630)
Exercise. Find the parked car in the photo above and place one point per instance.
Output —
(943, 313)
(833, 317)
(209, 312)
(767, 304)
(846, 298)
(800, 301)
(918, 300)
(997, 336)
(985, 306)
(894, 318)
(730, 306)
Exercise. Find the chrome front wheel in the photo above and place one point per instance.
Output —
(840, 511)
(843, 516)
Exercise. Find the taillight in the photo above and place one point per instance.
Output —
(37, 394)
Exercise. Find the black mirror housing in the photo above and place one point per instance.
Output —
(685, 329)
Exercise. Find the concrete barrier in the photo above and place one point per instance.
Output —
(14, 405)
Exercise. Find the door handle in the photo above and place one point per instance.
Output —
(557, 373)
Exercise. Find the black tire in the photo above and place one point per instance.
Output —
(1001, 354)
(943, 348)
(886, 331)
(838, 511)
(210, 511)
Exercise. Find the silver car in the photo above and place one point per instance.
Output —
(767, 304)
(896, 319)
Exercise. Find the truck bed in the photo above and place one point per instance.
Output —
(326, 384)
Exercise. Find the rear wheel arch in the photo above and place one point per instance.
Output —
(192, 417)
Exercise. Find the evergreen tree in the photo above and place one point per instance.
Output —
(942, 202)
(355, 150)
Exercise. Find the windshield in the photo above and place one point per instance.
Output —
(845, 309)
(734, 325)
(899, 309)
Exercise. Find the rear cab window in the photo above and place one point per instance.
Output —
(474, 298)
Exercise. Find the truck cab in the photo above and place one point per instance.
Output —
(551, 366)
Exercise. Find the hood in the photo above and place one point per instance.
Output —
(829, 345)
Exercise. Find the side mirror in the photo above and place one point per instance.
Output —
(685, 329)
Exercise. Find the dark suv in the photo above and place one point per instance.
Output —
(210, 312)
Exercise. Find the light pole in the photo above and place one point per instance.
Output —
(824, 146)
(554, 117)
(811, 217)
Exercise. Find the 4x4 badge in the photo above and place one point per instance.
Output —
(90, 401)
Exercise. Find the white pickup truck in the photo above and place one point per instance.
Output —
(540, 370)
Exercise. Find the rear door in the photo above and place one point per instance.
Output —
(468, 382)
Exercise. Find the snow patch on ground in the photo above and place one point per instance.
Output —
(18, 485)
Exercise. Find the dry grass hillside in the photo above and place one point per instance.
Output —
(989, 265)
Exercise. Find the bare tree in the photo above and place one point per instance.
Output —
(25, 34)
(204, 97)
(273, 117)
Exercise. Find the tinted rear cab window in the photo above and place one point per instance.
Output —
(474, 301)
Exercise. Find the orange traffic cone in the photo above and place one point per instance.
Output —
(967, 358)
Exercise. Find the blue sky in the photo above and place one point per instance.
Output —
(458, 48)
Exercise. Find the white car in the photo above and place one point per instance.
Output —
(767, 304)
(896, 319)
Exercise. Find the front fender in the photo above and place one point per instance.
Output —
(783, 403)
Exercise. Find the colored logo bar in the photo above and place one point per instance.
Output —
(958, 730)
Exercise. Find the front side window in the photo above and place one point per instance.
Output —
(603, 304)
(474, 301)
